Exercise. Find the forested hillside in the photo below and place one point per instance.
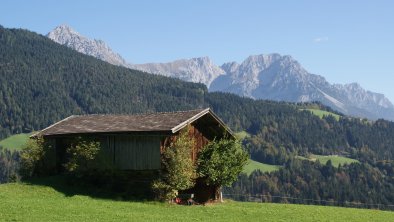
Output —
(43, 82)
(278, 129)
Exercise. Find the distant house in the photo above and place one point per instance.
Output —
(134, 142)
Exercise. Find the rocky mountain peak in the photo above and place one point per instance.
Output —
(230, 67)
(205, 60)
(199, 70)
(282, 78)
(65, 35)
(63, 29)
(354, 86)
(260, 61)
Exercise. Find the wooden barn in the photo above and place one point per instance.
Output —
(134, 142)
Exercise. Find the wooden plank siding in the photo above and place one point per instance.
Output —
(137, 153)
(123, 152)
(130, 152)
(199, 139)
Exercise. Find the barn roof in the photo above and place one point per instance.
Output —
(170, 122)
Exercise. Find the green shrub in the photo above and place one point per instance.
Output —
(179, 171)
(80, 153)
(33, 154)
(163, 190)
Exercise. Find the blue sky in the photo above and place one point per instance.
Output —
(344, 41)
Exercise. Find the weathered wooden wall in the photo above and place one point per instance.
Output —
(129, 152)
(200, 141)
(124, 152)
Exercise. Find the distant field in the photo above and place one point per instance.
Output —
(335, 159)
(26, 202)
(254, 165)
(321, 113)
(15, 142)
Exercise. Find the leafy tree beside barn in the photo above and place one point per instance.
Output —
(179, 171)
(220, 162)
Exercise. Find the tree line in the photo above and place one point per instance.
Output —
(305, 182)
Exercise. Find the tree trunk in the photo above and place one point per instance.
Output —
(218, 193)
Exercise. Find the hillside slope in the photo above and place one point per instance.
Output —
(22, 202)
(15, 142)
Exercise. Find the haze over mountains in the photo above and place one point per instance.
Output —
(270, 76)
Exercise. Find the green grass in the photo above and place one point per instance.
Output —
(15, 142)
(254, 165)
(24, 202)
(321, 113)
(335, 159)
(242, 135)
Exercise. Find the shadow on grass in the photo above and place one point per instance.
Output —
(111, 188)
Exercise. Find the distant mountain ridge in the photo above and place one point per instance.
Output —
(282, 78)
(269, 76)
(199, 70)
(65, 35)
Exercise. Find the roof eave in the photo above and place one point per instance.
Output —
(161, 132)
(41, 131)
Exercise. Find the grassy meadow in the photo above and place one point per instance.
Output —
(29, 202)
(321, 113)
(15, 142)
(254, 165)
(335, 159)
